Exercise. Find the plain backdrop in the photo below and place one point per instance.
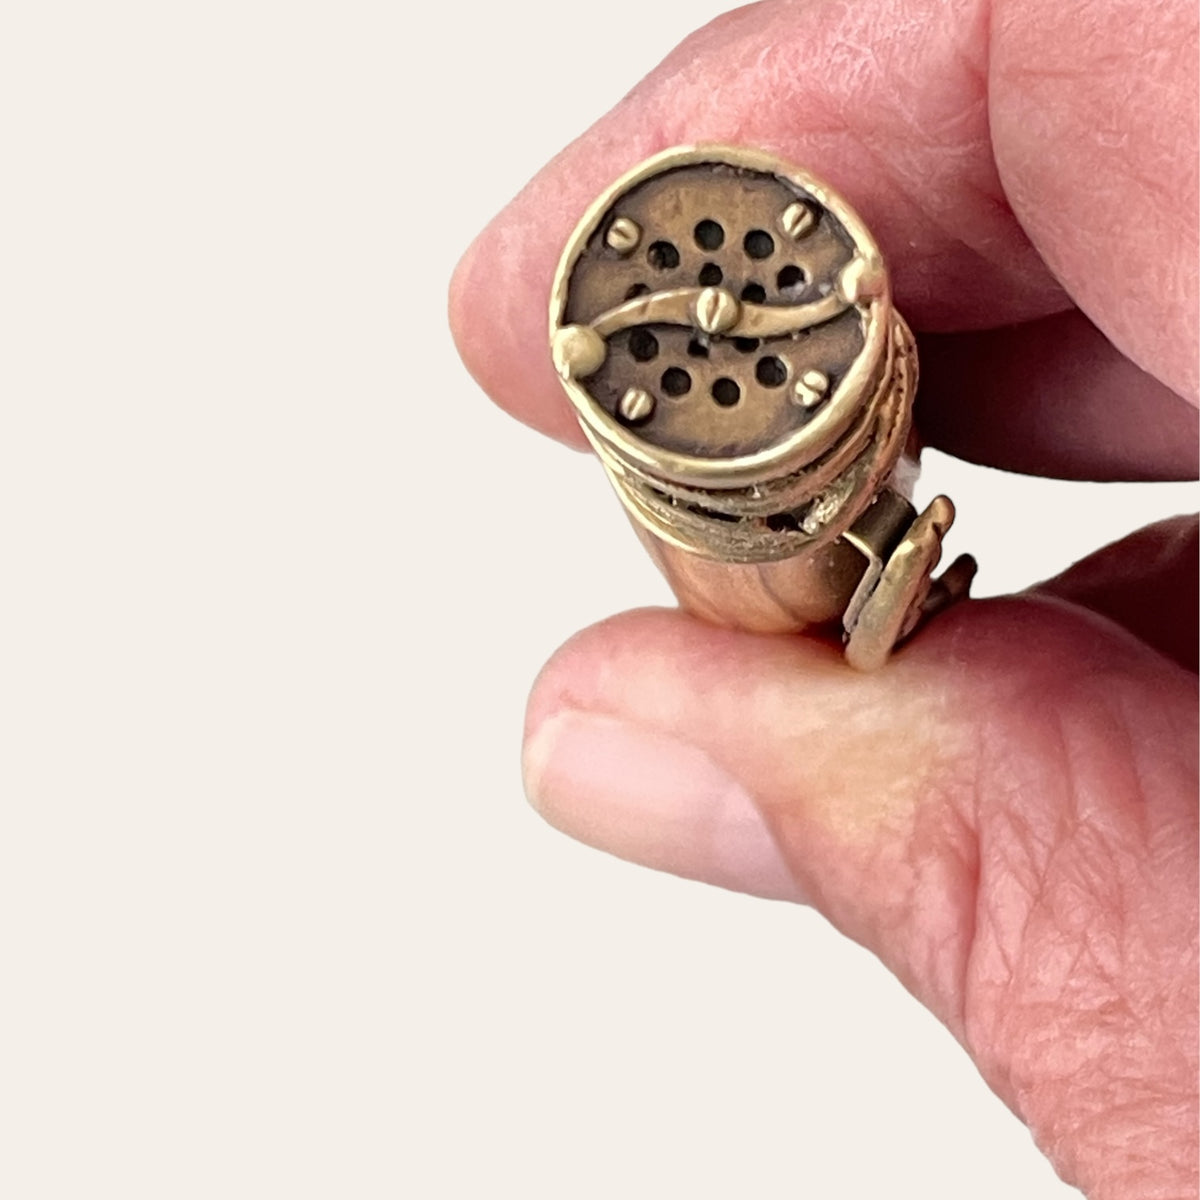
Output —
(275, 919)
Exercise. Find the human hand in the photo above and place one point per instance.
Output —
(1006, 814)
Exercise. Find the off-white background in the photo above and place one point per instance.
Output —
(274, 917)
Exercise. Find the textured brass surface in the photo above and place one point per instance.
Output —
(722, 323)
(680, 210)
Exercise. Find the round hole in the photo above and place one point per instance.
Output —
(709, 235)
(770, 371)
(791, 278)
(710, 275)
(746, 345)
(726, 392)
(662, 256)
(755, 293)
(643, 345)
(697, 348)
(758, 243)
(638, 289)
(676, 381)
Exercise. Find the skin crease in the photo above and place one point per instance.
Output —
(1006, 814)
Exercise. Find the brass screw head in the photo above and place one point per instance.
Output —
(797, 220)
(716, 310)
(623, 235)
(636, 405)
(810, 388)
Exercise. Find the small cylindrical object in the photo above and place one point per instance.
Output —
(723, 325)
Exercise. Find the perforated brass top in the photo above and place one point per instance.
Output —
(719, 316)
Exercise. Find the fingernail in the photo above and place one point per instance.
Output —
(654, 800)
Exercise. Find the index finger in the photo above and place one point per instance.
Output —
(1003, 173)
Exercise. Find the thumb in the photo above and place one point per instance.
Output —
(1005, 815)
